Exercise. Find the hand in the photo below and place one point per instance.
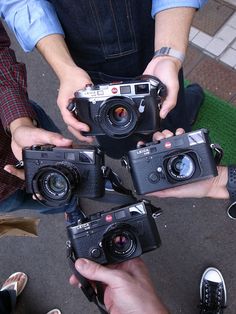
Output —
(126, 286)
(166, 69)
(73, 80)
(214, 187)
(28, 135)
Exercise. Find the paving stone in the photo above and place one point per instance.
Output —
(233, 2)
(229, 57)
(212, 17)
(227, 33)
(232, 21)
(216, 46)
(202, 39)
(193, 56)
(215, 77)
(193, 32)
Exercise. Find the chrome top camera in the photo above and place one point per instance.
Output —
(116, 235)
(120, 109)
(55, 174)
(173, 161)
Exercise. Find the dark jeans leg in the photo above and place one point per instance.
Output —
(7, 301)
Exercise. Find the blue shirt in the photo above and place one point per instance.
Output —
(31, 20)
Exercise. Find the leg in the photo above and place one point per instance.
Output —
(6, 305)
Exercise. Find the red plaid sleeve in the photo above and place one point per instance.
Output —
(14, 102)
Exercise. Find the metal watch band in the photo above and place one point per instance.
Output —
(168, 51)
(231, 184)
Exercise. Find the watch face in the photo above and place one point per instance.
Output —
(231, 211)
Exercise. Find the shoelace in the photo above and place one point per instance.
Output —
(213, 299)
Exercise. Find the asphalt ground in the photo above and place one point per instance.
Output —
(195, 234)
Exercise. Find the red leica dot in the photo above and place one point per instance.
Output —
(114, 90)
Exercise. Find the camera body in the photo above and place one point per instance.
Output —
(116, 235)
(120, 109)
(172, 162)
(57, 173)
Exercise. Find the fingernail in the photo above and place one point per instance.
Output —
(7, 169)
(81, 264)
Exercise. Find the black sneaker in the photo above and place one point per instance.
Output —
(194, 97)
(212, 292)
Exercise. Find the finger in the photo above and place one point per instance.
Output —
(179, 131)
(96, 272)
(48, 137)
(16, 172)
(140, 144)
(74, 281)
(170, 101)
(79, 136)
(167, 133)
(73, 122)
(157, 136)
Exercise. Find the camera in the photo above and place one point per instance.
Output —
(173, 161)
(116, 235)
(120, 109)
(54, 174)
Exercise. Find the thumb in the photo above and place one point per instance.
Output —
(16, 172)
(95, 272)
(54, 138)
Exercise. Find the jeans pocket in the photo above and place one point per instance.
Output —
(102, 78)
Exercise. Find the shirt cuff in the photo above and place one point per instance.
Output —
(160, 5)
(14, 105)
(33, 22)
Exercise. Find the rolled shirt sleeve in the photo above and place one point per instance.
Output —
(30, 20)
(160, 5)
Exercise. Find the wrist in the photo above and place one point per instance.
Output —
(176, 55)
(24, 121)
(218, 188)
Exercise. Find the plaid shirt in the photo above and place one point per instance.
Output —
(13, 105)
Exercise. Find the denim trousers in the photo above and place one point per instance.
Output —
(20, 199)
(7, 301)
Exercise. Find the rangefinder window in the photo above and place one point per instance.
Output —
(142, 89)
(126, 89)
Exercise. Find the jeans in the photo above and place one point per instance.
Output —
(20, 199)
(7, 301)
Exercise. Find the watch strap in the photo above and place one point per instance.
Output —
(168, 51)
(231, 184)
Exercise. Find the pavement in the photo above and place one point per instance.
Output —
(195, 233)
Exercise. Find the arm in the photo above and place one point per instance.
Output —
(71, 77)
(127, 285)
(172, 25)
(16, 114)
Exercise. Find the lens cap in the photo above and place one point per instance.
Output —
(231, 211)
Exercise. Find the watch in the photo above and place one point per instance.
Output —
(231, 184)
(231, 187)
(168, 51)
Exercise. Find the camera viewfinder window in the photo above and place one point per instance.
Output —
(141, 89)
(125, 89)
(120, 214)
(70, 156)
(196, 138)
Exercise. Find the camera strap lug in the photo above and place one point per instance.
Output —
(86, 287)
(218, 152)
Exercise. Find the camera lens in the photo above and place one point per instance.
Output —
(120, 243)
(181, 167)
(118, 116)
(57, 183)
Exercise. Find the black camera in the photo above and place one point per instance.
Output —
(55, 174)
(120, 109)
(173, 161)
(117, 235)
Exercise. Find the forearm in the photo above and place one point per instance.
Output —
(218, 187)
(172, 28)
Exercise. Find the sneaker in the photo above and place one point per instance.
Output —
(212, 292)
(194, 97)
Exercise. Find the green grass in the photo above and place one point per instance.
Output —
(219, 117)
